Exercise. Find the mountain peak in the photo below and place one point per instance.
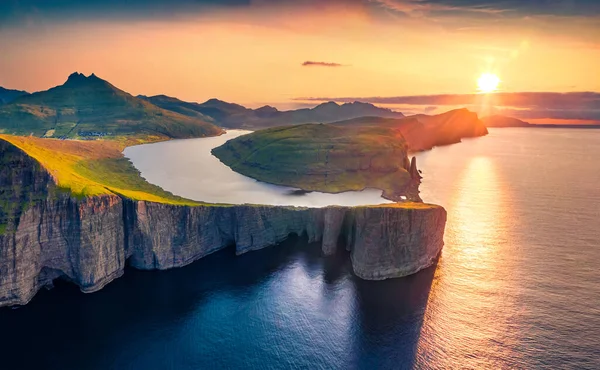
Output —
(213, 101)
(359, 103)
(267, 109)
(78, 79)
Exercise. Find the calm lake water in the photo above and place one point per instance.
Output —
(187, 168)
(517, 285)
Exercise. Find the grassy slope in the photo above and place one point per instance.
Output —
(90, 104)
(89, 168)
(322, 157)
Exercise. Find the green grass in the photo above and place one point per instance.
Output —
(322, 157)
(119, 176)
(91, 168)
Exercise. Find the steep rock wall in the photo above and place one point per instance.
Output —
(88, 240)
(46, 233)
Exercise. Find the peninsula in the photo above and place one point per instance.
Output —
(327, 158)
(366, 152)
(86, 218)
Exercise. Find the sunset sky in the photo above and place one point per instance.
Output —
(257, 52)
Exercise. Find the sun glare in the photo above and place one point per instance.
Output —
(488, 82)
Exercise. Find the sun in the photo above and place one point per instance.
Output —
(488, 82)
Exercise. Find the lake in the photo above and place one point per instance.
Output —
(187, 168)
(517, 285)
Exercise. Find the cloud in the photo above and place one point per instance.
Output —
(500, 8)
(309, 63)
(538, 105)
(421, 8)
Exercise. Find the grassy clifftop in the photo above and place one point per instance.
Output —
(90, 168)
(323, 157)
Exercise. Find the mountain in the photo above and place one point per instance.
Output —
(176, 105)
(504, 121)
(423, 132)
(236, 116)
(90, 106)
(6, 95)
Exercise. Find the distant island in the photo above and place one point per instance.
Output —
(499, 121)
(504, 121)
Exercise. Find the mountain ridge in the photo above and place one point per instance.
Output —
(8, 95)
(93, 107)
(231, 115)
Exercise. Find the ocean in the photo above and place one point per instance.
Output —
(517, 285)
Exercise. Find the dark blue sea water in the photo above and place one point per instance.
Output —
(517, 285)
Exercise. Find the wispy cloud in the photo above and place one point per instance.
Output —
(422, 8)
(586, 100)
(309, 63)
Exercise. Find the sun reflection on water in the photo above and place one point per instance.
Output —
(479, 214)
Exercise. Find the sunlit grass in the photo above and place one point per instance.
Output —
(92, 168)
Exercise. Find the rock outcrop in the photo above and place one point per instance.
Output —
(89, 241)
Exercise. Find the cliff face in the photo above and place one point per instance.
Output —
(88, 241)
(47, 234)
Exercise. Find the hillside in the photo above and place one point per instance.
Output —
(92, 107)
(231, 115)
(7, 95)
(324, 157)
(179, 106)
(423, 132)
(504, 121)
(92, 168)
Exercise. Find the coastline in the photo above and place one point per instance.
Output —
(89, 239)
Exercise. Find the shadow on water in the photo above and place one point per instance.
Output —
(391, 316)
(64, 328)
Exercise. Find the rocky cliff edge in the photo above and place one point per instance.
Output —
(46, 233)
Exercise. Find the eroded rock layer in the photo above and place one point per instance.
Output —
(88, 240)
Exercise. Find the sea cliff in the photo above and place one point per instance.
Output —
(47, 233)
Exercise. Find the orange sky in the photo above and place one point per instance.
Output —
(254, 56)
